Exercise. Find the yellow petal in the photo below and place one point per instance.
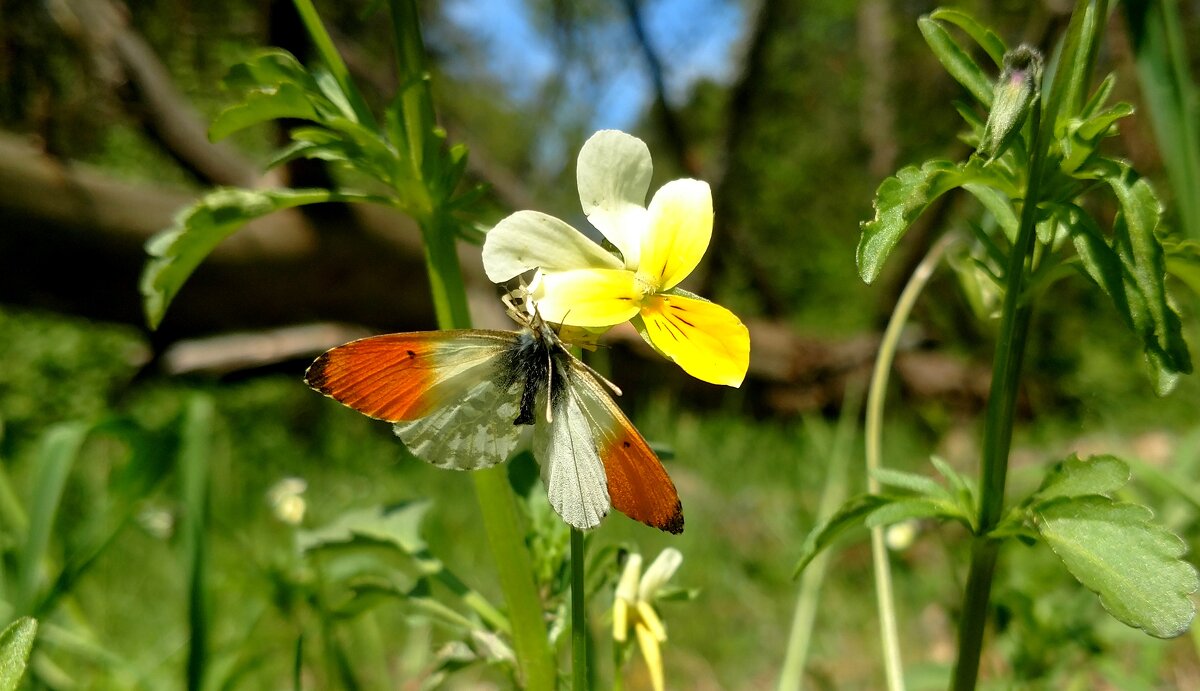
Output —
(708, 341)
(649, 618)
(652, 655)
(620, 620)
(677, 233)
(587, 297)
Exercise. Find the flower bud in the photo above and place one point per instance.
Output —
(1019, 83)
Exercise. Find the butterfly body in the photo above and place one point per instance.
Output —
(459, 399)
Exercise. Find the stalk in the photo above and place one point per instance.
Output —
(579, 654)
(1071, 77)
(889, 638)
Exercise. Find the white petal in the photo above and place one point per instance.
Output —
(530, 239)
(627, 587)
(614, 175)
(659, 572)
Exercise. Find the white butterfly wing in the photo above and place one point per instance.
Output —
(476, 431)
(571, 466)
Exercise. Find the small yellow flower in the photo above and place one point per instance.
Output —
(579, 283)
(286, 498)
(633, 607)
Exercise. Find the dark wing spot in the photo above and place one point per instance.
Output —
(626, 444)
(411, 354)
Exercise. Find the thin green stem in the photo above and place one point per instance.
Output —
(791, 676)
(502, 524)
(876, 395)
(579, 648)
(333, 59)
(1071, 78)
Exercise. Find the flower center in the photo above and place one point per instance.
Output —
(646, 285)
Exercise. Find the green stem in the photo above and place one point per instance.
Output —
(502, 524)
(889, 638)
(1071, 78)
(333, 60)
(579, 652)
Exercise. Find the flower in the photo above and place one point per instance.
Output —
(286, 498)
(581, 284)
(633, 607)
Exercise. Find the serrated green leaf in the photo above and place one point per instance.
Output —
(177, 251)
(913, 482)
(263, 105)
(899, 200)
(957, 61)
(985, 37)
(852, 514)
(1077, 477)
(1132, 564)
(16, 642)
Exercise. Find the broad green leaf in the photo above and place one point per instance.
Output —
(177, 251)
(985, 37)
(1077, 477)
(1132, 564)
(1137, 245)
(899, 200)
(263, 105)
(16, 642)
(913, 482)
(957, 61)
(398, 526)
(852, 514)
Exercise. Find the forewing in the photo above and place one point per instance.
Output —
(571, 467)
(638, 485)
(407, 375)
(440, 388)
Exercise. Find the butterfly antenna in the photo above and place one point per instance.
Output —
(599, 377)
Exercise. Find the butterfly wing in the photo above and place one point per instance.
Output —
(638, 485)
(571, 466)
(442, 389)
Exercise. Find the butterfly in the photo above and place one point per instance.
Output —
(460, 398)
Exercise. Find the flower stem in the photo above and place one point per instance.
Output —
(579, 651)
(502, 525)
(889, 639)
(1071, 77)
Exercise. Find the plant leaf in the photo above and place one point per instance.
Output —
(851, 515)
(1141, 253)
(985, 37)
(177, 251)
(899, 200)
(1077, 477)
(916, 507)
(913, 482)
(1132, 564)
(16, 642)
(957, 61)
(263, 105)
(398, 526)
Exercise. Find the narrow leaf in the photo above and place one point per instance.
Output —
(1077, 477)
(913, 482)
(16, 642)
(998, 205)
(177, 251)
(59, 448)
(263, 105)
(1132, 564)
(852, 514)
(916, 507)
(195, 451)
(985, 37)
(957, 61)
(899, 200)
